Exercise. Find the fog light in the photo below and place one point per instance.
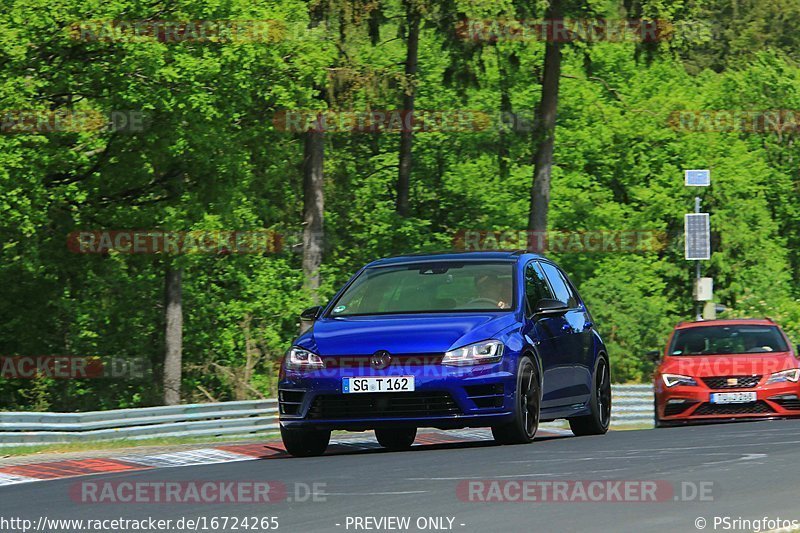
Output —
(784, 397)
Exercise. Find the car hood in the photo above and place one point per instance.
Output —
(402, 334)
(762, 364)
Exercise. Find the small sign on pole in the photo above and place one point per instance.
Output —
(697, 178)
(697, 233)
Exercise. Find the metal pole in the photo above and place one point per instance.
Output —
(698, 307)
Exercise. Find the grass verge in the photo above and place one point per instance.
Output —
(23, 449)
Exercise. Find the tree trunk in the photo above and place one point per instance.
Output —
(173, 336)
(407, 136)
(244, 375)
(313, 209)
(506, 114)
(545, 129)
(374, 24)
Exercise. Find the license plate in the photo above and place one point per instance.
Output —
(733, 397)
(382, 384)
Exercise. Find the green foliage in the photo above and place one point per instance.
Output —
(210, 157)
(632, 305)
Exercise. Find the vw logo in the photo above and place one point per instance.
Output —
(380, 360)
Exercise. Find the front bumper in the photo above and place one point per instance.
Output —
(445, 397)
(686, 404)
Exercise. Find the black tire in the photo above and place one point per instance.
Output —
(522, 429)
(657, 423)
(396, 439)
(597, 422)
(305, 442)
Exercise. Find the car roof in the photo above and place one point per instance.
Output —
(511, 256)
(727, 322)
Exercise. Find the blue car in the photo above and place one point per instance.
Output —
(479, 339)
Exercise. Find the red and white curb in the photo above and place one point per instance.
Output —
(15, 474)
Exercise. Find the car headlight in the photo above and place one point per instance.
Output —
(475, 354)
(787, 375)
(302, 359)
(670, 380)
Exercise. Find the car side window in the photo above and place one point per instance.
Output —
(575, 299)
(560, 286)
(536, 287)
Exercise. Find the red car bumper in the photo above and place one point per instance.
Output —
(694, 403)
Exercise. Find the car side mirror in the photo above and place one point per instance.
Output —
(312, 313)
(308, 317)
(653, 356)
(549, 306)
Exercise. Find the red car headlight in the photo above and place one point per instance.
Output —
(671, 380)
(785, 376)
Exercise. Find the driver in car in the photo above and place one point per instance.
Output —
(492, 288)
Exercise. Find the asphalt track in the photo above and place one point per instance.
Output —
(754, 468)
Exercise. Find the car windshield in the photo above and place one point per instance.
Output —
(734, 339)
(429, 288)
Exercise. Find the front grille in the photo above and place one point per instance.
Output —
(742, 382)
(397, 362)
(486, 396)
(379, 405)
(673, 409)
(753, 408)
(793, 405)
(289, 401)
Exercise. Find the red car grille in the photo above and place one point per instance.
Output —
(672, 409)
(727, 382)
(793, 405)
(753, 408)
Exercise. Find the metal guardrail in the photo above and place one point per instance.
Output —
(193, 420)
(631, 405)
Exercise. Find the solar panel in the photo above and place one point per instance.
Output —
(697, 232)
(698, 178)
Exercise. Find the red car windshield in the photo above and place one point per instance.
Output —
(731, 339)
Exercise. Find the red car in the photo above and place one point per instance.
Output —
(724, 370)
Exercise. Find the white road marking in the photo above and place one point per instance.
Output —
(11, 479)
(746, 457)
(190, 457)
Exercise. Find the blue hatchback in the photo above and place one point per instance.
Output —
(482, 339)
